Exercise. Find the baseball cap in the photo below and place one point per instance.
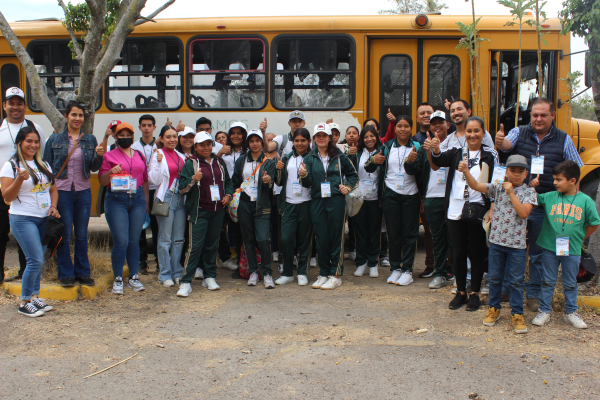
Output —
(202, 137)
(322, 127)
(517, 161)
(114, 124)
(14, 91)
(296, 114)
(186, 131)
(333, 125)
(238, 125)
(438, 114)
(124, 125)
(255, 132)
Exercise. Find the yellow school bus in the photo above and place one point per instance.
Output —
(344, 67)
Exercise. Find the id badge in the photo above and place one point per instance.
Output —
(499, 174)
(120, 183)
(399, 181)
(132, 186)
(366, 186)
(296, 189)
(43, 199)
(441, 176)
(174, 185)
(326, 189)
(253, 193)
(562, 246)
(215, 194)
(537, 165)
(459, 190)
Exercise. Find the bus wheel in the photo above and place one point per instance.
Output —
(590, 186)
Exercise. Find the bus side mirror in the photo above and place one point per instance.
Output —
(587, 75)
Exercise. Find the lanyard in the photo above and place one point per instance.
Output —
(466, 153)
(10, 133)
(178, 162)
(567, 216)
(325, 167)
(130, 164)
(297, 167)
(404, 158)
(368, 158)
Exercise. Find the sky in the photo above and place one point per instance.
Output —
(34, 9)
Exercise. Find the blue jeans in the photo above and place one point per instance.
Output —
(125, 214)
(171, 232)
(570, 268)
(29, 232)
(74, 209)
(534, 227)
(507, 260)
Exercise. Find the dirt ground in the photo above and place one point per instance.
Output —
(359, 341)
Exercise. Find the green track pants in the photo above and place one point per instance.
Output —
(203, 237)
(256, 233)
(367, 230)
(328, 217)
(435, 212)
(296, 233)
(401, 213)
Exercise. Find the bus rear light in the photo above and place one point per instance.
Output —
(220, 26)
(421, 21)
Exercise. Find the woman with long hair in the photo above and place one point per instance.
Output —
(74, 192)
(185, 142)
(166, 164)
(28, 184)
(322, 172)
(467, 236)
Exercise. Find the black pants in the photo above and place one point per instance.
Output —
(224, 249)
(154, 229)
(4, 231)
(468, 239)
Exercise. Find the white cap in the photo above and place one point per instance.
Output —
(14, 91)
(296, 114)
(438, 114)
(333, 125)
(238, 125)
(255, 132)
(186, 131)
(322, 127)
(202, 137)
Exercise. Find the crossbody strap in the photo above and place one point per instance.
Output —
(69, 156)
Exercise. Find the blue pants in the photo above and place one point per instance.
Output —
(507, 261)
(171, 231)
(29, 232)
(125, 214)
(534, 227)
(74, 209)
(570, 268)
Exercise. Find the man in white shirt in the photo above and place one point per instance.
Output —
(460, 111)
(14, 107)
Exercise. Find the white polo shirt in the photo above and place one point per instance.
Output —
(8, 134)
(396, 169)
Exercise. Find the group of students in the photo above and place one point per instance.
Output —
(184, 182)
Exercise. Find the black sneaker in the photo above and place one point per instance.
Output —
(428, 273)
(143, 268)
(458, 301)
(30, 310)
(40, 305)
(473, 303)
(85, 280)
(67, 282)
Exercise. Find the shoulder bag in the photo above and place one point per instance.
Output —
(354, 199)
(162, 208)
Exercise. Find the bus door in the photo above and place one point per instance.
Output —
(9, 76)
(406, 72)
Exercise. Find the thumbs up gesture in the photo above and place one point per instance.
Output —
(330, 120)
(168, 123)
(447, 104)
(180, 126)
(198, 176)
(266, 178)
(116, 170)
(22, 173)
(463, 166)
(379, 158)
(427, 142)
(435, 144)
(412, 157)
(390, 116)
(100, 150)
(302, 170)
(279, 163)
(352, 149)
(263, 126)
(159, 156)
(500, 136)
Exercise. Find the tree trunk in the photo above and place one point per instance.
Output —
(478, 76)
(539, 46)
(518, 104)
(595, 55)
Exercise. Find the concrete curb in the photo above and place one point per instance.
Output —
(590, 301)
(102, 283)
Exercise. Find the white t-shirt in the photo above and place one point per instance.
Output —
(396, 175)
(437, 183)
(325, 162)
(293, 166)
(288, 146)
(364, 177)
(249, 168)
(230, 160)
(32, 201)
(457, 200)
(8, 134)
(147, 151)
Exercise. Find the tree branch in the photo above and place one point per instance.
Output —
(38, 88)
(71, 33)
(154, 14)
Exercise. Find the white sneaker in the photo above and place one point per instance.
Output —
(332, 283)
(394, 277)
(135, 284)
(253, 279)
(268, 281)
(118, 285)
(575, 320)
(374, 272)
(210, 284)
(280, 268)
(319, 282)
(199, 274)
(405, 279)
(541, 318)
(282, 280)
(385, 262)
(302, 280)
(275, 256)
(168, 283)
(184, 290)
(313, 261)
(230, 265)
(352, 255)
(360, 270)
(438, 282)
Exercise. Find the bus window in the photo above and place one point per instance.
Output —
(56, 67)
(313, 73)
(9, 77)
(395, 86)
(148, 76)
(227, 74)
(443, 80)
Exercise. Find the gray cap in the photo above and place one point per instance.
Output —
(517, 161)
(296, 114)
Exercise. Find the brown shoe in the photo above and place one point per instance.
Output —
(519, 323)
(491, 317)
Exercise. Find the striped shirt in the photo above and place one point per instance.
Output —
(75, 176)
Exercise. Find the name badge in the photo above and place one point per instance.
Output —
(399, 178)
(366, 186)
(132, 186)
(296, 189)
(499, 174)
(562, 246)
(441, 176)
(537, 165)
(215, 194)
(43, 199)
(253, 193)
(174, 185)
(459, 190)
(326, 189)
